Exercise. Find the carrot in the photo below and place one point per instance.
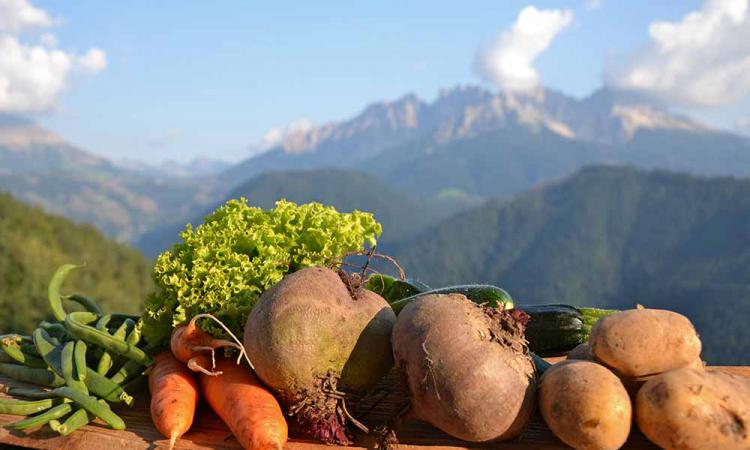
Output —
(174, 396)
(188, 340)
(248, 408)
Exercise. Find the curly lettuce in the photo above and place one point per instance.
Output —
(222, 266)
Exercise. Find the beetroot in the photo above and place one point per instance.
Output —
(467, 367)
(316, 337)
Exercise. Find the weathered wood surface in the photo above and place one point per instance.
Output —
(209, 432)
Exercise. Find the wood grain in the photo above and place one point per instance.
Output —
(209, 432)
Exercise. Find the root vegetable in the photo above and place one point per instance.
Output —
(315, 337)
(174, 396)
(467, 367)
(581, 352)
(693, 409)
(245, 405)
(585, 405)
(188, 343)
(641, 342)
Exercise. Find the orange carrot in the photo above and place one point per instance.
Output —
(248, 408)
(174, 396)
(188, 340)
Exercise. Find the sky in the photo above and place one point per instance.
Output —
(175, 80)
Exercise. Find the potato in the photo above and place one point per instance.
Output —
(585, 405)
(696, 409)
(641, 342)
(581, 352)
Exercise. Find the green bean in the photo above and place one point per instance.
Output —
(101, 324)
(41, 377)
(34, 393)
(22, 358)
(88, 303)
(68, 368)
(105, 362)
(78, 419)
(4, 358)
(54, 424)
(26, 407)
(40, 419)
(134, 337)
(127, 371)
(106, 389)
(79, 354)
(76, 325)
(15, 337)
(49, 352)
(30, 349)
(95, 383)
(56, 330)
(92, 405)
(53, 290)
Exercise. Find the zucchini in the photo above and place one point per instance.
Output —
(393, 289)
(478, 293)
(556, 329)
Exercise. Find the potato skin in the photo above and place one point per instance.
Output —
(585, 405)
(692, 409)
(641, 342)
(581, 352)
(463, 376)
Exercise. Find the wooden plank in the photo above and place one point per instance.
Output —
(209, 432)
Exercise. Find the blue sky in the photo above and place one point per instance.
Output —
(184, 79)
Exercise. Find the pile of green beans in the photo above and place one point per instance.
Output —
(82, 362)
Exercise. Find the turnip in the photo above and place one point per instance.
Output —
(316, 337)
(467, 367)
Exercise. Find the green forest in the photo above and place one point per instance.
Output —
(33, 244)
(610, 237)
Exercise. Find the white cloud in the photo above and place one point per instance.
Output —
(49, 40)
(278, 135)
(702, 60)
(33, 76)
(18, 15)
(593, 4)
(95, 60)
(508, 61)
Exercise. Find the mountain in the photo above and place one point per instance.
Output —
(41, 168)
(610, 237)
(33, 244)
(347, 190)
(26, 147)
(414, 128)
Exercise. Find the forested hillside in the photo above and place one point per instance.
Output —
(610, 237)
(33, 244)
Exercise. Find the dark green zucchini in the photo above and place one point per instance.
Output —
(392, 289)
(478, 293)
(556, 329)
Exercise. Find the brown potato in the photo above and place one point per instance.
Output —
(585, 405)
(640, 342)
(581, 352)
(693, 409)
